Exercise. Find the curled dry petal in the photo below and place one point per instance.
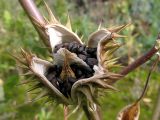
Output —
(95, 37)
(119, 28)
(56, 32)
(60, 34)
(103, 39)
(100, 81)
(39, 68)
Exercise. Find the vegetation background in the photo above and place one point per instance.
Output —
(16, 31)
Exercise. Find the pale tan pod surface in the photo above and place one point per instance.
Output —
(130, 112)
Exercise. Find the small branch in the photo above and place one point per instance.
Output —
(85, 109)
(65, 109)
(141, 60)
(32, 11)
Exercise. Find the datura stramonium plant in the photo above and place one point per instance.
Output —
(79, 72)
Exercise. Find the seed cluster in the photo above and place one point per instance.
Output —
(83, 52)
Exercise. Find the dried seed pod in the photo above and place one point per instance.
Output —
(132, 112)
(79, 71)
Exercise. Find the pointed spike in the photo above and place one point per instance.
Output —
(100, 25)
(81, 37)
(23, 52)
(27, 55)
(46, 20)
(43, 94)
(119, 28)
(25, 82)
(34, 87)
(68, 24)
(18, 59)
(27, 73)
(35, 93)
(76, 31)
(51, 15)
(115, 35)
(108, 47)
(23, 66)
(106, 85)
(48, 100)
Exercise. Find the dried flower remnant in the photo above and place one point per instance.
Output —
(132, 112)
(78, 71)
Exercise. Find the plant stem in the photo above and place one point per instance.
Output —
(65, 108)
(31, 10)
(141, 60)
(33, 13)
(85, 109)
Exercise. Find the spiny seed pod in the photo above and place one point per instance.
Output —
(78, 71)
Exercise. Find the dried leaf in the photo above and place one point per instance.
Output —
(132, 112)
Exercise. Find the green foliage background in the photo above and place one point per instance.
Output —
(16, 32)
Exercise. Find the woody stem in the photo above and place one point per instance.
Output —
(142, 59)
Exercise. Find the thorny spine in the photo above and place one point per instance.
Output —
(30, 8)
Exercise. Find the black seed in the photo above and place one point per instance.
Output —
(94, 55)
(83, 57)
(91, 50)
(84, 52)
(81, 49)
(58, 70)
(79, 73)
(74, 49)
(51, 69)
(70, 46)
(57, 47)
(83, 76)
(88, 75)
(68, 86)
(63, 91)
(60, 81)
(72, 80)
(54, 82)
(50, 76)
(91, 61)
